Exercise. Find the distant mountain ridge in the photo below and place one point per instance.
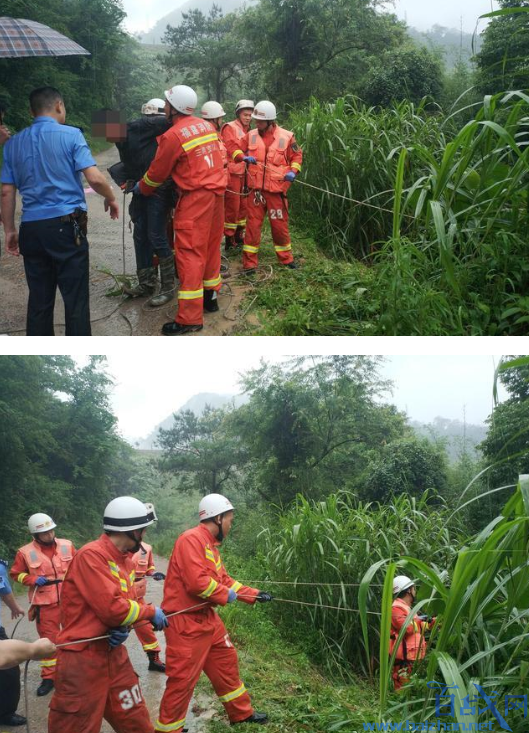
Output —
(156, 33)
(196, 404)
(456, 435)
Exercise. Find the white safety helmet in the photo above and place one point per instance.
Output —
(212, 111)
(40, 523)
(154, 106)
(244, 104)
(265, 111)
(151, 511)
(212, 505)
(125, 514)
(401, 583)
(182, 98)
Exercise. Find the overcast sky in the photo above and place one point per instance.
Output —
(149, 389)
(422, 14)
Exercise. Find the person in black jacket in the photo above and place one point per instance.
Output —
(149, 215)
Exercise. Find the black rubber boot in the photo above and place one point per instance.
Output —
(155, 663)
(168, 287)
(45, 687)
(260, 718)
(146, 284)
(178, 329)
(13, 719)
(229, 244)
(239, 235)
(211, 303)
(292, 266)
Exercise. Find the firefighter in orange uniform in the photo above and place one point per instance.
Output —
(197, 640)
(41, 565)
(413, 644)
(144, 568)
(236, 200)
(274, 159)
(191, 154)
(95, 679)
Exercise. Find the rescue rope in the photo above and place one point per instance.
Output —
(257, 583)
(318, 605)
(29, 609)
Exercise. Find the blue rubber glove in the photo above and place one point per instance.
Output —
(290, 176)
(118, 636)
(158, 576)
(136, 189)
(41, 580)
(249, 159)
(159, 620)
(232, 596)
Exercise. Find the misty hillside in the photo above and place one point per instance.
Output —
(454, 45)
(455, 434)
(196, 404)
(156, 33)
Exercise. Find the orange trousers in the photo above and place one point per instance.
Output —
(94, 684)
(198, 223)
(235, 206)
(48, 626)
(146, 635)
(401, 674)
(199, 642)
(276, 205)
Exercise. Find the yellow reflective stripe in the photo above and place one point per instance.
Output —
(123, 585)
(210, 555)
(167, 727)
(48, 662)
(132, 615)
(296, 166)
(212, 284)
(190, 294)
(150, 183)
(150, 647)
(236, 153)
(210, 589)
(241, 223)
(236, 586)
(132, 576)
(21, 577)
(249, 248)
(150, 568)
(284, 248)
(113, 569)
(227, 225)
(233, 695)
(204, 140)
(218, 564)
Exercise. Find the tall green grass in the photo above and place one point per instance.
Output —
(448, 243)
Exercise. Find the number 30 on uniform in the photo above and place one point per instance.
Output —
(129, 698)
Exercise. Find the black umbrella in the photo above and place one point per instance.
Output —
(20, 37)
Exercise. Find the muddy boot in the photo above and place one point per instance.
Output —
(211, 303)
(45, 687)
(155, 663)
(178, 329)
(239, 236)
(167, 275)
(260, 718)
(146, 283)
(229, 244)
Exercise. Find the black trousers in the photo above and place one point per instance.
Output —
(9, 686)
(51, 259)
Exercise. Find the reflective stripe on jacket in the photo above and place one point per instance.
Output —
(144, 565)
(196, 573)
(272, 164)
(412, 645)
(232, 135)
(31, 562)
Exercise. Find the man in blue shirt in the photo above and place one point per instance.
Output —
(9, 678)
(44, 162)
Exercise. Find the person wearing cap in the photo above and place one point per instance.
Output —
(197, 640)
(95, 679)
(236, 199)
(144, 568)
(41, 566)
(149, 214)
(274, 159)
(413, 644)
(191, 154)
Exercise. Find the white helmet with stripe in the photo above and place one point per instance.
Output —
(244, 104)
(40, 523)
(182, 98)
(212, 505)
(212, 111)
(125, 514)
(265, 111)
(401, 583)
(153, 107)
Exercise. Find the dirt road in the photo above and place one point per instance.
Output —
(112, 316)
(203, 707)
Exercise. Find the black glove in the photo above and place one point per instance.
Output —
(263, 597)
(158, 576)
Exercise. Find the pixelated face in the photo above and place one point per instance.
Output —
(227, 521)
(110, 125)
(47, 536)
(245, 117)
(261, 125)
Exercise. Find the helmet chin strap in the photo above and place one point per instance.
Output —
(220, 535)
(138, 545)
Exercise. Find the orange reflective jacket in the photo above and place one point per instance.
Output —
(144, 565)
(232, 134)
(98, 593)
(31, 561)
(276, 153)
(413, 645)
(196, 573)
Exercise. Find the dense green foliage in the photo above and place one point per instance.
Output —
(502, 60)
(59, 451)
